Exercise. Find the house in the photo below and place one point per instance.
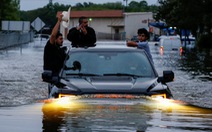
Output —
(111, 24)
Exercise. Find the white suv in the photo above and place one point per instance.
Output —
(170, 43)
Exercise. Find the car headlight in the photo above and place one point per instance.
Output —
(163, 96)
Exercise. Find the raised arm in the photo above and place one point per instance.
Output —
(55, 29)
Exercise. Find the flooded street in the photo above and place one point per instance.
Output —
(111, 115)
(193, 75)
(21, 86)
(20, 72)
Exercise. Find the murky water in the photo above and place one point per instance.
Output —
(106, 115)
(126, 116)
(20, 75)
(193, 75)
(20, 84)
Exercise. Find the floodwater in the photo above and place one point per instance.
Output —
(193, 75)
(24, 108)
(105, 115)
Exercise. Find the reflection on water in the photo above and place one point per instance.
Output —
(96, 115)
(124, 115)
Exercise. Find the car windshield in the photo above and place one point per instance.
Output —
(108, 63)
(171, 41)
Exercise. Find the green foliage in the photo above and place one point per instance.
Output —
(195, 16)
(47, 14)
(92, 6)
(182, 14)
(9, 10)
(205, 41)
(141, 6)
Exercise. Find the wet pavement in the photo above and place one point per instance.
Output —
(21, 86)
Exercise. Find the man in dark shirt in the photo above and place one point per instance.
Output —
(54, 55)
(82, 35)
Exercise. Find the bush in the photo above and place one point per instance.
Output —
(205, 41)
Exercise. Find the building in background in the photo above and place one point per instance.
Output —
(108, 24)
(135, 20)
(112, 24)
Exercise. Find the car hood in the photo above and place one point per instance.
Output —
(107, 85)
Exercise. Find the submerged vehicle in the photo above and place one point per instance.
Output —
(170, 43)
(108, 69)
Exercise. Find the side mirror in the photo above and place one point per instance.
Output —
(168, 76)
(48, 76)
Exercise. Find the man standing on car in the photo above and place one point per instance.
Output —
(54, 54)
(82, 35)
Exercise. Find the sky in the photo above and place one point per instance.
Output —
(26, 5)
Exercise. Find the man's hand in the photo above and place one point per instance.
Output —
(132, 44)
(81, 28)
(60, 17)
(84, 30)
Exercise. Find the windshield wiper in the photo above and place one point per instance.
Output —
(122, 74)
(83, 74)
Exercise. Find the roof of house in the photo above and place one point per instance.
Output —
(97, 14)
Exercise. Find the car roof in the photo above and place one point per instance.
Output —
(107, 47)
(169, 37)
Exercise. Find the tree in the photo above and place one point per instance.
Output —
(9, 10)
(186, 14)
(47, 14)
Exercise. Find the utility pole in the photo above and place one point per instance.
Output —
(125, 5)
(50, 1)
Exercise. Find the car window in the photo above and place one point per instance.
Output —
(169, 43)
(166, 42)
(100, 63)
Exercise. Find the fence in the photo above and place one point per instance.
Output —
(9, 39)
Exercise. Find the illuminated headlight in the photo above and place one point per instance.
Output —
(65, 100)
(158, 96)
(162, 101)
(67, 95)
